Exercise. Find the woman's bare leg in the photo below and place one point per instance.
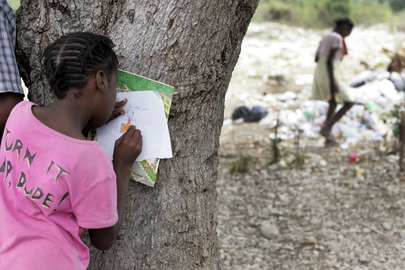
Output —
(327, 127)
(331, 111)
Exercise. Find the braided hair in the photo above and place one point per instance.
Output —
(71, 59)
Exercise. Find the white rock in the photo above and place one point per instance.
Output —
(315, 221)
(386, 226)
(269, 231)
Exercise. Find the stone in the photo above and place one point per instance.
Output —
(386, 226)
(309, 240)
(269, 231)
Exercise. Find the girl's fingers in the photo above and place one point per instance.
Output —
(135, 133)
(121, 103)
(131, 130)
(115, 114)
(118, 141)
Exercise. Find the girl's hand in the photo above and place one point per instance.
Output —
(127, 148)
(119, 112)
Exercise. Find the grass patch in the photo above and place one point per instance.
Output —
(242, 164)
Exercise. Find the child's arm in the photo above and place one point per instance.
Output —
(127, 149)
(7, 102)
(333, 87)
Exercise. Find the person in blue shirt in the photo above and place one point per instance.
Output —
(11, 91)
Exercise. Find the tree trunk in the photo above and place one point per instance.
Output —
(192, 45)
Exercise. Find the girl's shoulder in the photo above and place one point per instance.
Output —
(332, 35)
(331, 40)
(24, 105)
(22, 110)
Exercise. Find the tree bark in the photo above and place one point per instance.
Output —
(192, 45)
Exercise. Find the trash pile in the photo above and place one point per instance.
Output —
(369, 119)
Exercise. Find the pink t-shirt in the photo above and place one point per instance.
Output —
(331, 41)
(52, 186)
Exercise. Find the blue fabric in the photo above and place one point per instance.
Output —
(10, 79)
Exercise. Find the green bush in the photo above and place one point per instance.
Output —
(322, 13)
(371, 12)
(400, 21)
(339, 8)
(397, 5)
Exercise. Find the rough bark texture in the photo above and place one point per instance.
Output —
(192, 45)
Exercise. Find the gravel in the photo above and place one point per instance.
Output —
(313, 217)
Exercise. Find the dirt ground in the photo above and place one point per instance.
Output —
(316, 209)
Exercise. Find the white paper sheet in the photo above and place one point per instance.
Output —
(144, 110)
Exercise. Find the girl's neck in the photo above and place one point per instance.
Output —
(337, 31)
(62, 116)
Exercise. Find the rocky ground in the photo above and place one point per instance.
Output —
(317, 210)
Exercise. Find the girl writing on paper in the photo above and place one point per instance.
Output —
(55, 183)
